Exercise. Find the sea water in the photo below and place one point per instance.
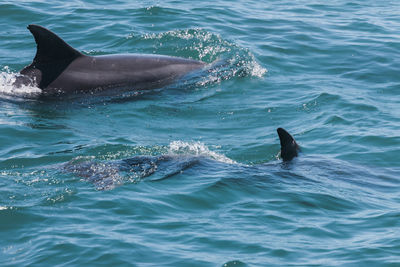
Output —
(206, 186)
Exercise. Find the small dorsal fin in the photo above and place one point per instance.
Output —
(50, 47)
(289, 147)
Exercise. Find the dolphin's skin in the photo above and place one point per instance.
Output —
(58, 68)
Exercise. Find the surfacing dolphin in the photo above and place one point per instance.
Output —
(106, 175)
(60, 69)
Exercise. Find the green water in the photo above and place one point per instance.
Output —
(208, 188)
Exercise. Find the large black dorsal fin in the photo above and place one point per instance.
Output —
(50, 47)
(289, 147)
(53, 55)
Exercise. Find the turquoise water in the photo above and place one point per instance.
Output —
(208, 188)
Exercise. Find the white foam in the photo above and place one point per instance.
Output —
(211, 46)
(197, 149)
(7, 88)
(255, 69)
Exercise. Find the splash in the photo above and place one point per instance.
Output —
(197, 149)
(8, 90)
(204, 45)
(226, 58)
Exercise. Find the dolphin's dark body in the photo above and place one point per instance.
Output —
(58, 68)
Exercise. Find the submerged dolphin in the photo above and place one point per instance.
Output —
(105, 175)
(58, 68)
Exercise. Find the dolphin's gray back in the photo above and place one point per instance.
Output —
(59, 68)
(133, 71)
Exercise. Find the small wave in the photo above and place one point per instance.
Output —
(197, 149)
(8, 90)
(208, 47)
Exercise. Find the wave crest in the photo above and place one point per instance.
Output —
(197, 149)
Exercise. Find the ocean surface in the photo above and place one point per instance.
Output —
(190, 174)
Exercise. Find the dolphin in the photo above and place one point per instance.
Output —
(60, 69)
(105, 175)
